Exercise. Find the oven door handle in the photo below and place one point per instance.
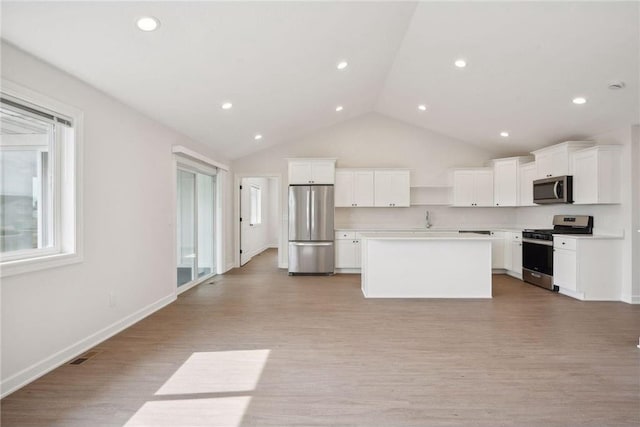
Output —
(538, 242)
(555, 189)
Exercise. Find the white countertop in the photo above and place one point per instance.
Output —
(425, 235)
(588, 236)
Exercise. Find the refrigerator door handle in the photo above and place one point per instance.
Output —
(311, 243)
(312, 216)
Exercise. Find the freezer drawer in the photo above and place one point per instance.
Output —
(311, 257)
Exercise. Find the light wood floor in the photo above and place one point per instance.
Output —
(259, 348)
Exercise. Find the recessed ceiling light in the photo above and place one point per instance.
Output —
(342, 65)
(460, 63)
(579, 100)
(504, 134)
(258, 137)
(147, 23)
(227, 106)
(339, 108)
(422, 107)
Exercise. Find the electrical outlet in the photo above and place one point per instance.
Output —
(112, 299)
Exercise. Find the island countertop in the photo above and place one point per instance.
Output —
(426, 265)
(424, 235)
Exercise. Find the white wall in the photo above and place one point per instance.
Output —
(608, 219)
(272, 240)
(374, 140)
(128, 202)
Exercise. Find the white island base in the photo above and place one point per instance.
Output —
(426, 265)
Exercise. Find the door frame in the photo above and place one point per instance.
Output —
(181, 162)
(236, 213)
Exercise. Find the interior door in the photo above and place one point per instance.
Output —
(245, 223)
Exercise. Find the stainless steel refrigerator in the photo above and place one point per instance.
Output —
(311, 245)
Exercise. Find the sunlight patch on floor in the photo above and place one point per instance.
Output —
(217, 372)
(190, 389)
(220, 411)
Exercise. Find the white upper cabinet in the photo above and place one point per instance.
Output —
(312, 171)
(596, 174)
(554, 160)
(391, 188)
(506, 176)
(528, 174)
(354, 188)
(473, 187)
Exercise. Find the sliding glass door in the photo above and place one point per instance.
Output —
(195, 225)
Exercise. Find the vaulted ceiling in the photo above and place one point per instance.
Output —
(276, 63)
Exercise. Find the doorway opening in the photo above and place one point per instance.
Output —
(259, 217)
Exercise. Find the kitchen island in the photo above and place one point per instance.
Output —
(426, 265)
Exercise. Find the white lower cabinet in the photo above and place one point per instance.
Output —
(497, 250)
(565, 269)
(588, 268)
(516, 259)
(348, 250)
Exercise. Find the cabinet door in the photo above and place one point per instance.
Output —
(505, 183)
(363, 184)
(345, 254)
(323, 171)
(508, 254)
(344, 188)
(383, 193)
(544, 165)
(483, 189)
(497, 249)
(463, 184)
(400, 196)
(560, 163)
(357, 248)
(299, 172)
(565, 269)
(516, 256)
(527, 175)
(585, 177)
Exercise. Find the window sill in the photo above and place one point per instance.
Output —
(12, 268)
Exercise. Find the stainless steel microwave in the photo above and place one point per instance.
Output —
(557, 189)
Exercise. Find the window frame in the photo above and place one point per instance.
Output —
(67, 194)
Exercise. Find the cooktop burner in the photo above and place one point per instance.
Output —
(563, 224)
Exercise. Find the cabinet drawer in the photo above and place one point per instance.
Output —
(564, 243)
(345, 235)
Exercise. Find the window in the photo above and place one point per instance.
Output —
(256, 205)
(37, 181)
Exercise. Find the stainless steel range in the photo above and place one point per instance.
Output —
(537, 248)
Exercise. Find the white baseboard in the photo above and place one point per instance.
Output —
(42, 367)
(229, 266)
(631, 299)
(259, 251)
(348, 271)
(572, 294)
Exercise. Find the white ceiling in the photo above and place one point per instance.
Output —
(275, 61)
